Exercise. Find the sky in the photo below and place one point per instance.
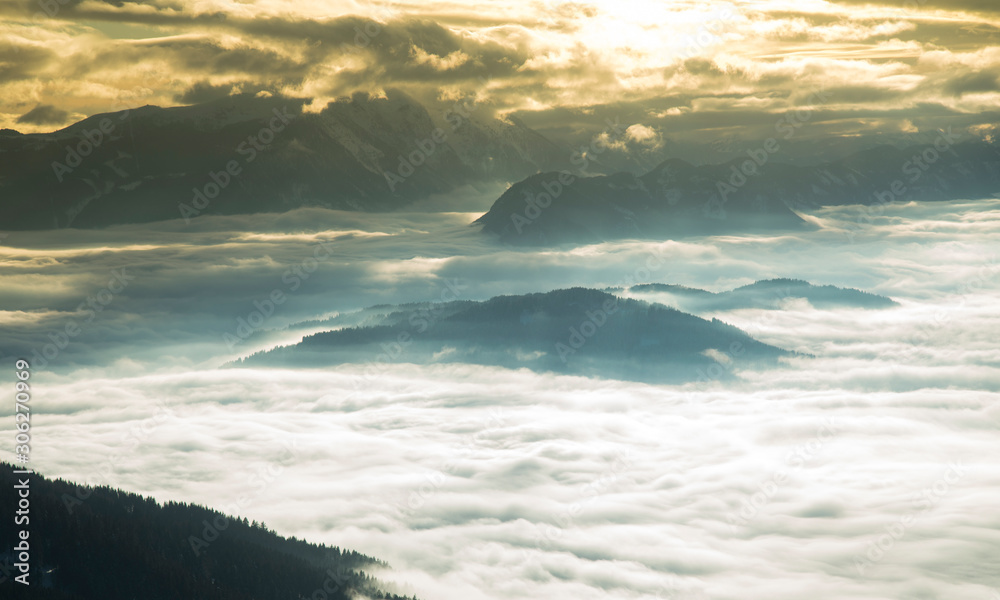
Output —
(677, 69)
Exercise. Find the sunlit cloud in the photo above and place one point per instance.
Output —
(538, 57)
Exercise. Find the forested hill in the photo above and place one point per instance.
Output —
(246, 154)
(768, 294)
(576, 331)
(101, 543)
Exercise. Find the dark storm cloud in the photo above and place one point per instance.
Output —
(44, 114)
(203, 91)
(757, 60)
(21, 61)
(956, 37)
(163, 12)
(403, 51)
(399, 48)
(210, 56)
(723, 114)
(973, 82)
(72, 5)
(862, 94)
(704, 66)
(286, 49)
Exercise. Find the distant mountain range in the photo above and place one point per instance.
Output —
(746, 195)
(247, 154)
(768, 294)
(576, 331)
(97, 542)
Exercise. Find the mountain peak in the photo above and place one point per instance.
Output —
(578, 331)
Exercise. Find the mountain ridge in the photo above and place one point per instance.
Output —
(576, 331)
(247, 154)
(746, 195)
(768, 294)
(97, 542)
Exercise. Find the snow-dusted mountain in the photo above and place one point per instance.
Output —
(246, 154)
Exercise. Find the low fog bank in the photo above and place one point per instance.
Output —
(128, 300)
(864, 470)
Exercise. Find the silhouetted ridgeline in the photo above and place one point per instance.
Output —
(116, 545)
(769, 294)
(677, 198)
(245, 154)
(576, 331)
(249, 155)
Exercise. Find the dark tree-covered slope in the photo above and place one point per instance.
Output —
(575, 331)
(115, 545)
(768, 294)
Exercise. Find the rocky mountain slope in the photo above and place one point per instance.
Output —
(748, 195)
(246, 154)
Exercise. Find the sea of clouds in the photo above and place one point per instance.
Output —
(864, 469)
